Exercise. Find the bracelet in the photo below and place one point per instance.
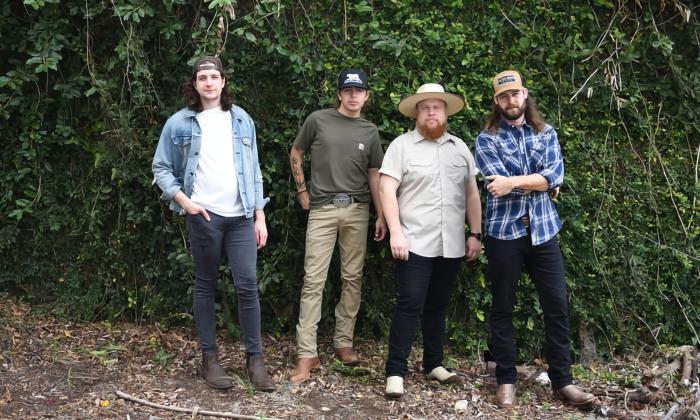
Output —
(304, 190)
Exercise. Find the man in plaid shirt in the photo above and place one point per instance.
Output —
(520, 158)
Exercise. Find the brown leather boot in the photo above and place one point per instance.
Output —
(574, 396)
(302, 371)
(212, 372)
(347, 355)
(505, 395)
(257, 373)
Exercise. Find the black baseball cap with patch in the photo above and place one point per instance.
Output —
(353, 78)
(207, 63)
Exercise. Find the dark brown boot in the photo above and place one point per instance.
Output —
(257, 373)
(213, 374)
(347, 355)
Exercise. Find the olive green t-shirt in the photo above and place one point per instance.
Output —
(342, 149)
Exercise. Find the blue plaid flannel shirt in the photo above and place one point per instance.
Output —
(521, 151)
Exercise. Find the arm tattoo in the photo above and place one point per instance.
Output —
(297, 172)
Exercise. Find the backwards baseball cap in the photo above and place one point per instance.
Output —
(507, 80)
(207, 63)
(353, 78)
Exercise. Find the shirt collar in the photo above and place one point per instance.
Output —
(417, 138)
(505, 125)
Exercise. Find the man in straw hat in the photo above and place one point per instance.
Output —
(427, 186)
(520, 158)
(346, 154)
(206, 164)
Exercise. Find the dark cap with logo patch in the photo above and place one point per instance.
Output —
(207, 63)
(353, 78)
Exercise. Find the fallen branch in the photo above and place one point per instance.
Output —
(194, 411)
(672, 412)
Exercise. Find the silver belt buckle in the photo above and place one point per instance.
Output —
(342, 200)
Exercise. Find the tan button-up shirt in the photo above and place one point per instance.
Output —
(433, 178)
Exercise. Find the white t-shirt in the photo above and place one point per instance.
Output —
(215, 181)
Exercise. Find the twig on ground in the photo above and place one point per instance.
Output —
(672, 412)
(193, 411)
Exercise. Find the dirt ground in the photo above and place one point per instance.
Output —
(52, 368)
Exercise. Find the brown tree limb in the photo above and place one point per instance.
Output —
(193, 411)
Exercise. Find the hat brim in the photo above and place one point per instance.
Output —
(407, 106)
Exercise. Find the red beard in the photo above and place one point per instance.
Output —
(433, 132)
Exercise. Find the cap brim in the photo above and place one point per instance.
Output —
(353, 86)
(407, 106)
(506, 89)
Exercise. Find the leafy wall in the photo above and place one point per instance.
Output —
(85, 87)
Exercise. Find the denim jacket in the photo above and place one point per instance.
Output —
(177, 155)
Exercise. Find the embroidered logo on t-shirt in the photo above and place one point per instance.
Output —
(361, 146)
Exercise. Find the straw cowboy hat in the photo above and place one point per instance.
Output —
(407, 106)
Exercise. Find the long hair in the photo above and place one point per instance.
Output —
(194, 102)
(532, 116)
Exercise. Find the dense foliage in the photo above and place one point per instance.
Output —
(85, 87)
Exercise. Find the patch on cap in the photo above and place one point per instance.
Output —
(352, 78)
(207, 66)
(506, 79)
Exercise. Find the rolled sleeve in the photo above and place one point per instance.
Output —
(392, 164)
(553, 170)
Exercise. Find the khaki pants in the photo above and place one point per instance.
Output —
(327, 223)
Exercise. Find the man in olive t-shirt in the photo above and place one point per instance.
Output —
(346, 156)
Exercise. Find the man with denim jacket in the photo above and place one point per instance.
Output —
(520, 158)
(206, 164)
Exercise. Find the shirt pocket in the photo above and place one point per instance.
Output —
(538, 150)
(509, 154)
(457, 171)
(360, 153)
(182, 143)
(421, 171)
(182, 140)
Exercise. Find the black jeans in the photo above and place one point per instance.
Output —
(233, 237)
(545, 265)
(424, 287)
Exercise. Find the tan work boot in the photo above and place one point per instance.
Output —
(212, 372)
(505, 395)
(574, 395)
(302, 370)
(347, 355)
(257, 373)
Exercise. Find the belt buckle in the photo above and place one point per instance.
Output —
(526, 221)
(342, 200)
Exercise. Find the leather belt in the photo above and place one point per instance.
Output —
(342, 200)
